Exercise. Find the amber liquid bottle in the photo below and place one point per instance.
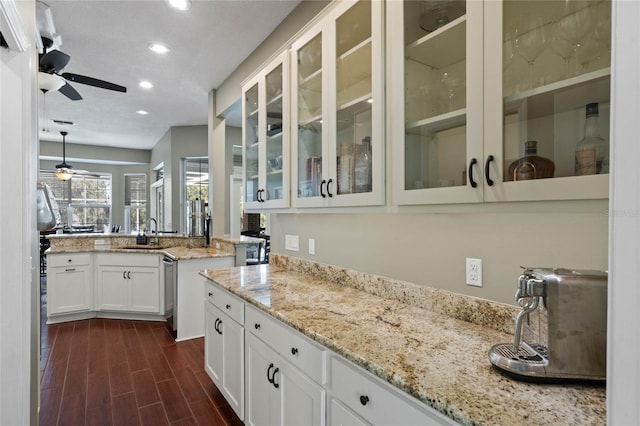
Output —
(531, 166)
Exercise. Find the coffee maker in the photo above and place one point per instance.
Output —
(561, 331)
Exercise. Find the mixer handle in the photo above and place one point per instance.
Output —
(528, 307)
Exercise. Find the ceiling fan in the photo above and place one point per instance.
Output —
(64, 171)
(53, 62)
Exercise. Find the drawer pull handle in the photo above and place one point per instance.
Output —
(269, 377)
(70, 269)
(294, 351)
(228, 306)
(275, 385)
(364, 399)
(256, 326)
(218, 327)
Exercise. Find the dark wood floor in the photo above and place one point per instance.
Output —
(115, 372)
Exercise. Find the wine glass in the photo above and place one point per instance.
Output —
(574, 28)
(450, 84)
(530, 42)
(561, 47)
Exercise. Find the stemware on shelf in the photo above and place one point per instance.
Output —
(575, 26)
(530, 42)
(561, 47)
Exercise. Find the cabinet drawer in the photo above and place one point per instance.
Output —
(376, 401)
(128, 260)
(291, 345)
(226, 302)
(75, 259)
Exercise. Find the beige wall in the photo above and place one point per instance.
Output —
(430, 248)
(179, 142)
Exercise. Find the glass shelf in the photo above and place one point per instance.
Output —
(438, 123)
(442, 47)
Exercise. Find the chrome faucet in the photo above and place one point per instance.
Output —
(156, 242)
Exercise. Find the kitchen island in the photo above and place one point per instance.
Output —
(430, 344)
(110, 276)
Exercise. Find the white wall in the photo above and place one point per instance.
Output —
(19, 271)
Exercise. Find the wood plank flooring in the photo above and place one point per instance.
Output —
(117, 372)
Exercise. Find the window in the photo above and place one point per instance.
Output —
(135, 202)
(84, 200)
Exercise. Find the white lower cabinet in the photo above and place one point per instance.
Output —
(69, 283)
(371, 400)
(224, 355)
(277, 392)
(129, 283)
(290, 379)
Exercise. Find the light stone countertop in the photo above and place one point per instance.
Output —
(437, 358)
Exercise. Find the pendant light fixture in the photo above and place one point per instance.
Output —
(64, 171)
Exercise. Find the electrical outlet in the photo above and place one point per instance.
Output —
(312, 246)
(474, 272)
(291, 242)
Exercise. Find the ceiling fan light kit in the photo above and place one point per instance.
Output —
(64, 171)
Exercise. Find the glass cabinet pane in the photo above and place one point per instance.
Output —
(309, 89)
(353, 98)
(556, 59)
(274, 134)
(435, 94)
(251, 144)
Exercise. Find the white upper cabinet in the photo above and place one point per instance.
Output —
(487, 101)
(337, 109)
(265, 135)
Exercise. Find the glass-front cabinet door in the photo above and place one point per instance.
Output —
(337, 104)
(435, 100)
(499, 100)
(266, 137)
(547, 99)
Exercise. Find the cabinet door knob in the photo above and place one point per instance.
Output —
(364, 399)
(294, 351)
(258, 195)
(257, 326)
(129, 275)
(124, 275)
(486, 170)
(322, 194)
(69, 260)
(228, 306)
(470, 173)
(210, 294)
(329, 188)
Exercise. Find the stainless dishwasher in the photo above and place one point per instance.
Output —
(171, 293)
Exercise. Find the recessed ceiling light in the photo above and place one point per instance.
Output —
(146, 84)
(180, 4)
(158, 48)
(142, 112)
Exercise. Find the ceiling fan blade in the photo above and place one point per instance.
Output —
(70, 92)
(54, 61)
(93, 82)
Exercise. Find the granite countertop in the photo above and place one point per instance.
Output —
(437, 358)
(176, 253)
